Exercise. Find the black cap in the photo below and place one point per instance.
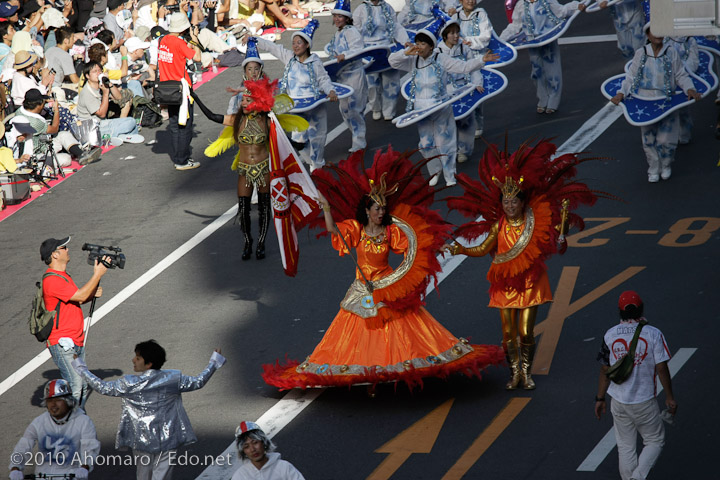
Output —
(28, 8)
(157, 32)
(50, 245)
(34, 95)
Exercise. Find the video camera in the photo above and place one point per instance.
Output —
(97, 252)
(170, 8)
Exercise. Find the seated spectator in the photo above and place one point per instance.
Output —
(27, 73)
(58, 58)
(32, 105)
(52, 19)
(111, 23)
(20, 41)
(7, 31)
(94, 102)
(80, 14)
(108, 40)
(99, 54)
(141, 73)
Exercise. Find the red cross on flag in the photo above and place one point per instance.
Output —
(292, 195)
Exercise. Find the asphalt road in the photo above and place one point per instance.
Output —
(661, 240)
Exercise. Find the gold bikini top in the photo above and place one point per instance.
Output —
(253, 133)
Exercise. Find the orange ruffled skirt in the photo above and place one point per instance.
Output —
(410, 346)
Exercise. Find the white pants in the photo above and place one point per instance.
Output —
(660, 140)
(383, 91)
(352, 108)
(63, 141)
(629, 420)
(438, 138)
(314, 137)
(153, 466)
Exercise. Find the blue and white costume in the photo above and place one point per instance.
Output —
(477, 29)
(305, 79)
(687, 49)
(628, 17)
(659, 76)
(467, 126)
(352, 108)
(251, 55)
(438, 134)
(420, 11)
(534, 19)
(376, 21)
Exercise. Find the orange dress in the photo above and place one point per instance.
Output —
(536, 292)
(397, 345)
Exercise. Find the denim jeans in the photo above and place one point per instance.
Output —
(63, 359)
(116, 127)
(180, 136)
(136, 87)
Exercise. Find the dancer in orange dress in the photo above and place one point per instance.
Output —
(382, 332)
(525, 199)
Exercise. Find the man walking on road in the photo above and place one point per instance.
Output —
(67, 337)
(634, 407)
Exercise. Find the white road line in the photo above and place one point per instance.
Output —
(125, 293)
(606, 445)
(579, 141)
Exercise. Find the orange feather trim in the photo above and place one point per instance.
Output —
(537, 249)
(285, 377)
(408, 292)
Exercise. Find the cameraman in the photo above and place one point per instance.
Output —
(94, 101)
(32, 105)
(68, 338)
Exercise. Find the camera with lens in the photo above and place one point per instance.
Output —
(97, 252)
(170, 8)
(43, 138)
(105, 81)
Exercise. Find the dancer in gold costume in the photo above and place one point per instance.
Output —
(525, 198)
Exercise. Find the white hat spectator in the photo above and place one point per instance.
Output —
(134, 43)
(178, 23)
(53, 18)
(142, 32)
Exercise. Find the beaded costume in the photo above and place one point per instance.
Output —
(385, 334)
(519, 246)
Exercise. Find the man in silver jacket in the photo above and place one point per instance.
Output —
(153, 423)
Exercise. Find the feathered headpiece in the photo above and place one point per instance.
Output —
(548, 184)
(533, 170)
(262, 93)
(408, 199)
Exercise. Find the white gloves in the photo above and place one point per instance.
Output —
(81, 472)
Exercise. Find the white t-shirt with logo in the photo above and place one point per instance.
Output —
(651, 349)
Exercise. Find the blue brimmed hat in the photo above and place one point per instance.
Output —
(440, 15)
(308, 32)
(251, 54)
(433, 30)
(342, 7)
(7, 10)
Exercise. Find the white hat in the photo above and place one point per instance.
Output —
(52, 18)
(178, 23)
(134, 43)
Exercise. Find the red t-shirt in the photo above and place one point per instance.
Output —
(172, 54)
(72, 321)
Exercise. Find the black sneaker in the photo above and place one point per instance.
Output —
(90, 156)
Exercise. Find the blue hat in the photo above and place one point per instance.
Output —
(308, 32)
(646, 10)
(441, 15)
(7, 10)
(342, 7)
(251, 54)
(433, 30)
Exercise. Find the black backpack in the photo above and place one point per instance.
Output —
(41, 319)
(147, 111)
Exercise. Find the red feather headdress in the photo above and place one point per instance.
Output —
(262, 93)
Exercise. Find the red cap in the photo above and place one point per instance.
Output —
(629, 297)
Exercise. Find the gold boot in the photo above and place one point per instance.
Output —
(511, 355)
(527, 352)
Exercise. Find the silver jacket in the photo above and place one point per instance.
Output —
(153, 418)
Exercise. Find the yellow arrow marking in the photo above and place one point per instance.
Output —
(561, 308)
(486, 438)
(418, 438)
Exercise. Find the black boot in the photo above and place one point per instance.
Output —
(264, 221)
(244, 219)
